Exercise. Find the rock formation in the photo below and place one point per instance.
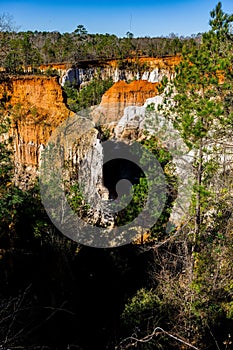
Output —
(121, 95)
(36, 106)
(146, 68)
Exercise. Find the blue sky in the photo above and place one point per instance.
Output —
(142, 18)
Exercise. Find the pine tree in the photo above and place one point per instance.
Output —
(202, 85)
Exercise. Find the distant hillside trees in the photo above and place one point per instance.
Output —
(34, 48)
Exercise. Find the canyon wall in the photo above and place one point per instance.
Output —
(120, 96)
(144, 68)
(36, 106)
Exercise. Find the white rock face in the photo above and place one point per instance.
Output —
(132, 120)
(91, 170)
(154, 76)
(134, 117)
(77, 76)
(80, 75)
(146, 75)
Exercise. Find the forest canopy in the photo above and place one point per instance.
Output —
(21, 49)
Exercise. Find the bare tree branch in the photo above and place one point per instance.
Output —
(147, 338)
